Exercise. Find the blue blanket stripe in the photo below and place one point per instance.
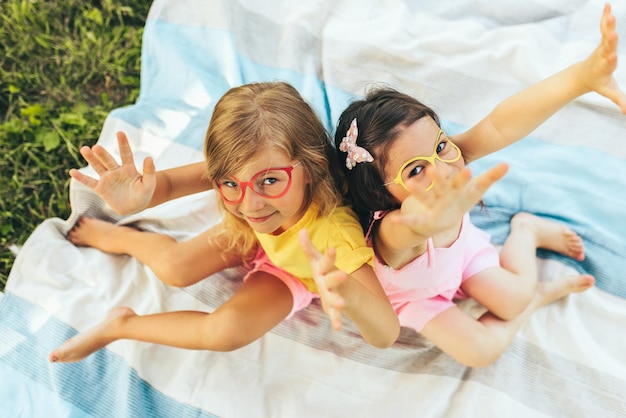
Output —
(18, 392)
(25, 351)
(204, 73)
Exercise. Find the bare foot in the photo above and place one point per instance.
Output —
(551, 291)
(96, 233)
(88, 342)
(551, 235)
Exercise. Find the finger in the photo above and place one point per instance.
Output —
(84, 179)
(334, 309)
(608, 31)
(324, 270)
(608, 44)
(333, 300)
(607, 21)
(335, 279)
(328, 260)
(488, 178)
(92, 160)
(105, 158)
(126, 153)
(149, 172)
(332, 305)
(335, 319)
(307, 246)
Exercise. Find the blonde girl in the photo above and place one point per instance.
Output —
(267, 156)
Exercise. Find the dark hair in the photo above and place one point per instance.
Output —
(380, 116)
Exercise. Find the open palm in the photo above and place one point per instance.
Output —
(430, 212)
(122, 187)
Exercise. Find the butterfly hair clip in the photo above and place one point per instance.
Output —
(356, 154)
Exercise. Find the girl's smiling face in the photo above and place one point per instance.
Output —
(422, 139)
(268, 215)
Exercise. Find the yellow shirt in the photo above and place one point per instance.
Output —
(340, 230)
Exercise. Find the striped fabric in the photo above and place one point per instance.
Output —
(461, 57)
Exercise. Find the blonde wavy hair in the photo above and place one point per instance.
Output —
(252, 116)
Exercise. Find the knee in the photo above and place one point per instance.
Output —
(517, 305)
(482, 357)
(174, 269)
(169, 271)
(480, 351)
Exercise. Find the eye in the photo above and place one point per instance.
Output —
(414, 169)
(228, 184)
(441, 147)
(268, 181)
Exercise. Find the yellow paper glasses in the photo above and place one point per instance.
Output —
(412, 172)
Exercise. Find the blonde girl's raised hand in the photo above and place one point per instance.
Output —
(327, 277)
(427, 213)
(122, 187)
(600, 65)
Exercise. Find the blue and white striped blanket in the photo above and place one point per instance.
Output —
(461, 57)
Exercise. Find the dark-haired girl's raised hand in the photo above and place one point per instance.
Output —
(427, 213)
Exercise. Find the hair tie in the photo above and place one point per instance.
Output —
(356, 154)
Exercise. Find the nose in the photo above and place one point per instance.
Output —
(251, 201)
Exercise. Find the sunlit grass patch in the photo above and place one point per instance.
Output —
(64, 66)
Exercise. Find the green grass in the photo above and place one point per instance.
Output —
(63, 67)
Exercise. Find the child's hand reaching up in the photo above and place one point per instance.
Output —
(330, 281)
(123, 188)
(427, 213)
(599, 67)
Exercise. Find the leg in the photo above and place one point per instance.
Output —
(530, 231)
(515, 282)
(478, 343)
(259, 305)
(175, 263)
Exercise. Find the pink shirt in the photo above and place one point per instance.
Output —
(427, 285)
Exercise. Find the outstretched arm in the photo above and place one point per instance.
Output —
(358, 295)
(427, 213)
(126, 190)
(520, 114)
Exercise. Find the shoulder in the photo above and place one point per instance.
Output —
(340, 228)
(342, 231)
(340, 220)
